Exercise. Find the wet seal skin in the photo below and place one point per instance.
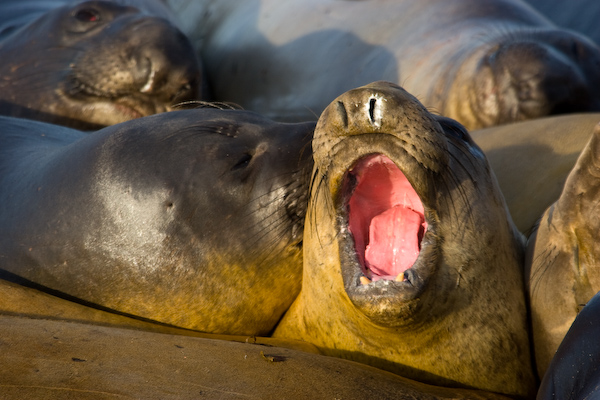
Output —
(190, 218)
(482, 63)
(95, 63)
(562, 255)
(411, 261)
(574, 372)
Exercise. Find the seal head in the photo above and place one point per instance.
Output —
(411, 260)
(95, 63)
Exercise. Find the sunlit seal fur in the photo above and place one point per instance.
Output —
(531, 160)
(563, 255)
(451, 310)
(190, 218)
(574, 372)
(482, 63)
(94, 63)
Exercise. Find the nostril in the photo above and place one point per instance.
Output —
(342, 112)
(372, 103)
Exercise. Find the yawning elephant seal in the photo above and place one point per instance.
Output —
(93, 63)
(480, 62)
(190, 218)
(563, 255)
(411, 260)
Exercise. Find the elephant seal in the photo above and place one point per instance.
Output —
(411, 261)
(531, 160)
(574, 372)
(190, 218)
(579, 15)
(562, 255)
(482, 63)
(94, 63)
(50, 360)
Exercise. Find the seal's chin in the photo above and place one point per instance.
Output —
(386, 219)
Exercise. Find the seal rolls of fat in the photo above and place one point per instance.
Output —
(480, 62)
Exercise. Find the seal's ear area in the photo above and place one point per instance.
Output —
(453, 129)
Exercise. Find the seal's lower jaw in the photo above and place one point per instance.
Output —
(387, 249)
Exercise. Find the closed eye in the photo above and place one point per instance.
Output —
(242, 162)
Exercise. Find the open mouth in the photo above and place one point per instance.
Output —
(386, 219)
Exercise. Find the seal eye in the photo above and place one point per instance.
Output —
(87, 15)
(453, 128)
(243, 162)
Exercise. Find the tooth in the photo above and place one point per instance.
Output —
(364, 280)
(400, 277)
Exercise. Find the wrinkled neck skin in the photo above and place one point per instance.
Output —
(453, 337)
(565, 245)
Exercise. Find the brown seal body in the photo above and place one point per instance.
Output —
(190, 218)
(88, 64)
(482, 63)
(531, 160)
(563, 255)
(411, 260)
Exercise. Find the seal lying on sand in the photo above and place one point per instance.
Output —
(563, 255)
(411, 261)
(191, 218)
(92, 64)
(482, 63)
(574, 372)
(532, 159)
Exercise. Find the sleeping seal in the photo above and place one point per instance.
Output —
(190, 218)
(94, 63)
(480, 62)
(411, 261)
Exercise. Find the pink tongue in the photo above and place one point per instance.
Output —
(394, 237)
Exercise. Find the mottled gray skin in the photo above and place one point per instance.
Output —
(482, 63)
(574, 372)
(190, 218)
(578, 15)
(563, 255)
(458, 318)
(92, 64)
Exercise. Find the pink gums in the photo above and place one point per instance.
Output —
(386, 218)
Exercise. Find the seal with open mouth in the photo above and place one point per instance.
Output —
(411, 260)
(190, 218)
(562, 264)
(94, 63)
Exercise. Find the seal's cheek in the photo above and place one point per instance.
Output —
(386, 219)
